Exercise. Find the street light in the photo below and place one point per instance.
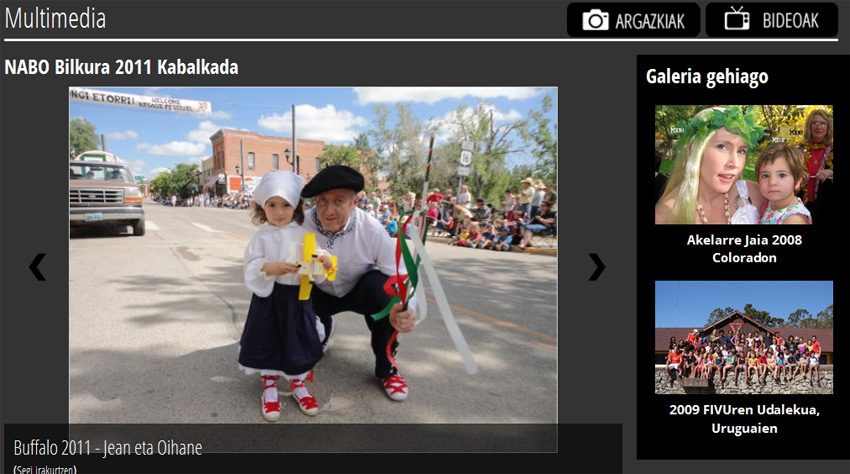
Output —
(286, 154)
(241, 172)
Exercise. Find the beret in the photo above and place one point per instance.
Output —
(333, 177)
(285, 184)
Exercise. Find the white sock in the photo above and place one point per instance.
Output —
(301, 391)
(270, 391)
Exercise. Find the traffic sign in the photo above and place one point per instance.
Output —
(463, 171)
(465, 158)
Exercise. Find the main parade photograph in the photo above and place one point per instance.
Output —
(366, 255)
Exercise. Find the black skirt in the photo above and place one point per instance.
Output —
(280, 333)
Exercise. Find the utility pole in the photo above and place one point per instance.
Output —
(294, 149)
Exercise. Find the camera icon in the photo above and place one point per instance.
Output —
(595, 19)
(737, 19)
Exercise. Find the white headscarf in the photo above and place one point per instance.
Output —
(285, 184)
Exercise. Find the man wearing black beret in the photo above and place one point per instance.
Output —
(366, 258)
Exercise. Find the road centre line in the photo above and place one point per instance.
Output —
(151, 226)
(500, 322)
(206, 228)
(239, 236)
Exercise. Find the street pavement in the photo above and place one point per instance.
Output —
(155, 323)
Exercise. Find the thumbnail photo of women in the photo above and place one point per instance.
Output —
(740, 164)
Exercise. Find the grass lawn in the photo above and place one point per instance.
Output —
(749, 170)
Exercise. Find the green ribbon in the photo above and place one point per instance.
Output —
(412, 281)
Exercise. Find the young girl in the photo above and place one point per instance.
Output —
(771, 365)
(762, 366)
(802, 365)
(708, 365)
(705, 187)
(790, 366)
(740, 365)
(731, 362)
(814, 363)
(281, 337)
(780, 172)
(472, 238)
(780, 365)
(752, 365)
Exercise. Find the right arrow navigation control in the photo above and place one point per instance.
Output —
(599, 267)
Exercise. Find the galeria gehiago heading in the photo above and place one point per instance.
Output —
(712, 78)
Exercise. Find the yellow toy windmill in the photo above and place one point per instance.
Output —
(311, 267)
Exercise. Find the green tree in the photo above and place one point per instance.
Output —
(341, 155)
(718, 315)
(825, 318)
(517, 174)
(161, 185)
(667, 117)
(362, 142)
(763, 317)
(805, 320)
(82, 137)
(540, 135)
(400, 148)
(180, 181)
(799, 319)
(491, 144)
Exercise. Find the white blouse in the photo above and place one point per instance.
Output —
(362, 246)
(275, 244)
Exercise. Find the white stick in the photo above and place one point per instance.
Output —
(443, 304)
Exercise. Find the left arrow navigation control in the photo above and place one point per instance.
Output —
(34, 267)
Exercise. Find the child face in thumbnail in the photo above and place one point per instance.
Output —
(723, 160)
(777, 184)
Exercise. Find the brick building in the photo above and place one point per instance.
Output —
(222, 172)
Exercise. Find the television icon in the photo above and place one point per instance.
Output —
(737, 19)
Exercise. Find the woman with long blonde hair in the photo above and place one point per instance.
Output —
(706, 185)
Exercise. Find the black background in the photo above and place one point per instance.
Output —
(694, 263)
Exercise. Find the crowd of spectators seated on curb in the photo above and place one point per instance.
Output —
(468, 224)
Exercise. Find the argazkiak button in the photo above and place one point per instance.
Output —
(633, 20)
(771, 20)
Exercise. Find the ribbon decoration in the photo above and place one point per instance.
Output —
(407, 284)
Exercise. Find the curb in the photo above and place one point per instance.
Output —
(552, 252)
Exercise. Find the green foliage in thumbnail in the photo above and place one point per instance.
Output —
(82, 137)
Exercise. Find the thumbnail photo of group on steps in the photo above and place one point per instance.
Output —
(753, 337)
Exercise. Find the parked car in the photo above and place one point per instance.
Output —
(105, 194)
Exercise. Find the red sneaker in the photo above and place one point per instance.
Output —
(396, 387)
